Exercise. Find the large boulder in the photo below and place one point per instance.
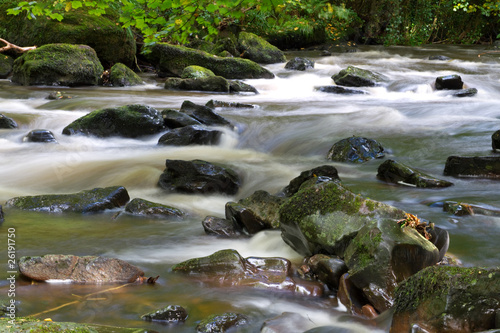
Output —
(399, 173)
(357, 77)
(58, 64)
(190, 135)
(110, 40)
(122, 76)
(88, 269)
(448, 299)
(128, 121)
(171, 61)
(258, 49)
(142, 207)
(198, 177)
(88, 201)
(355, 150)
(477, 166)
(6, 63)
(6, 122)
(256, 212)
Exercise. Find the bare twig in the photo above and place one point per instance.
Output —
(18, 49)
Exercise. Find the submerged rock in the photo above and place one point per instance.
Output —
(143, 207)
(340, 90)
(439, 57)
(171, 61)
(355, 150)
(203, 114)
(258, 49)
(287, 322)
(299, 64)
(88, 201)
(168, 314)
(200, 177)
(228, 268)
(221, 323)
(448, 299)
(58, 64)
(128, 121)
(449, 82)
(40, 135)
(122, 76)
(256, 212)
(6, 122)
(357, 77)
(399, 173)
(88, 269)
(220, 227)
(469, 92)
(222, 104)
(461, 209)
(29, 324)
(495, 140)
(190, 135)
(477, 167)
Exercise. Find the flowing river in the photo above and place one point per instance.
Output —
(291, 130)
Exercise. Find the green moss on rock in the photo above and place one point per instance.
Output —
(258, 49)
(6, 63)
(121, 76)
(196, 72)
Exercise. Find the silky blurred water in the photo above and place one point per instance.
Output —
(290, 130)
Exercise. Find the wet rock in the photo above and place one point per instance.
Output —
(462, 209)
(256, 212)
(258, 49)
(448, 299)
(469, 92)
(87, 269)
(88, 201)
(40, 135)
(128, 121)
(299, 64)
(221, 323)
(228, 268)
(174, 119)
(439, 57)
(1, 214)
(321, 173)
(328, 269)
(355, 150)
(168, 314)
(222, 104)
(203, 114)
(449, 82)
(350, 296)
(200, 177)
(495, 140)
(220, 227)
(143, 207)
(358, 77)
(58, 64)
(6, 122)
(287, 322)
(212, 83)
(196, 72)
(340, 90)
(241, 87)
(56, 95)
(171, 61)
(6, 63)
(190, 135)
(399, 173)
(476, 167)
(122, 76)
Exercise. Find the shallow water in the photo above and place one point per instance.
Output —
(291, 130)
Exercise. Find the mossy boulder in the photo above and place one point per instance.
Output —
(141, 207)
(6, 63)
(111, 42)
(6, 122)
(58, 64)
(448, 299)
(122, 76)
(171, 61)
(399, 173)
(355, 150)
(87, 269)
(323, 172)
(473, 166)
(196, 72)
(357, 77)
(211, 83)
(258, 49)
(88, 201)
(128, 121)
(256, 212)
(199, 177)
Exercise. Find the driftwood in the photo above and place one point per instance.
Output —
(15, 48)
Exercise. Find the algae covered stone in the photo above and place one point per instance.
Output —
(58, 64)
(122, 76)
(399, 173)
(258, 49)
(196, 72)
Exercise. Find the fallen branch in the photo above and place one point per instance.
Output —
(18, 49)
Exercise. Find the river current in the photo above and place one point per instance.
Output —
(290, 130)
